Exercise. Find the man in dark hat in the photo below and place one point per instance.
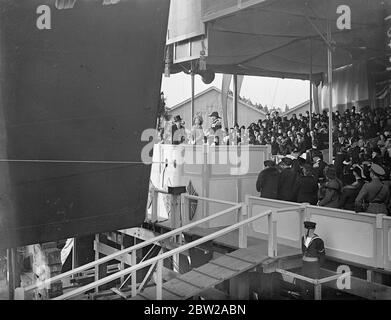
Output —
(178, 132)
(374, 196)
(313, 257)
(267, 183)
(215, 121)
(215, 128)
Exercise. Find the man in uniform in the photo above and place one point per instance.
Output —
(313, 257)
(375, 194)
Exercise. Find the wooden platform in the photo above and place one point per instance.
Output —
(211, 274)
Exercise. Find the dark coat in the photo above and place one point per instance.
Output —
(267, 183)
(178, 134)
(349, 195)
(286, 185)
(307, 190)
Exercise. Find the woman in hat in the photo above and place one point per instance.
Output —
(197, 132)
(350, 192)
(333, 189)
(374, 196)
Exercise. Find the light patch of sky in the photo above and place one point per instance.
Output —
(272, 92)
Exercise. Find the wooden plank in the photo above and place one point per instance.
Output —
(181, 288)
(233, 263)
(216, 271)
(199, 279)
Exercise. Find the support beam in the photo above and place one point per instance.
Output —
(311, 94)
(192, 94)
(330, 81)
(235, 101)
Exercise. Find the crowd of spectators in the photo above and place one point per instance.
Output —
(357, 178)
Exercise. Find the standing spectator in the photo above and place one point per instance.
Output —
(178, 133)
(267, 183)
(374, 196)
(197, 133)
(287, 181)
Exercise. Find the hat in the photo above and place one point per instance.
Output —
(309, 225)
(287, 161)
(215, 114)
(377, 170)
(330, 172)
(269, 163)
(177, 118)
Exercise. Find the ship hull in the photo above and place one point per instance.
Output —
(74, 101)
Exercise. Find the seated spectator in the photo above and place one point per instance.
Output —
(306, 187)
(333, 189)
(350, 192)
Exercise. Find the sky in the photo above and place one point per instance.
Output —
(267, 91)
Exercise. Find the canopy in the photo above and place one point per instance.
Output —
(276, 37)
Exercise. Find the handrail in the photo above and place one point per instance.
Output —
(130, 249)
(161, 257)
(188, 196)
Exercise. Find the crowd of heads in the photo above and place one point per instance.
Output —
(361, 154)
(361, 141)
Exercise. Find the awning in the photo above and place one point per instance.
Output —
(274, 37)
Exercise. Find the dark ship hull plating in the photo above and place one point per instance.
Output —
(83, 90)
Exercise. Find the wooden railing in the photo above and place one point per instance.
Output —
(242, 225)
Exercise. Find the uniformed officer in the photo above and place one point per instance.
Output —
(313, 257)
(374, 196)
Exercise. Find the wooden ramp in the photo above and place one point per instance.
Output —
(209, 275)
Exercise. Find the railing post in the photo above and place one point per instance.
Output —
(318, 291)
(96, 243)
(159, 280)
(134, 274)
(184, 212)
(379, 238)
(272, 230)
(243, 230)
(155, 195)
